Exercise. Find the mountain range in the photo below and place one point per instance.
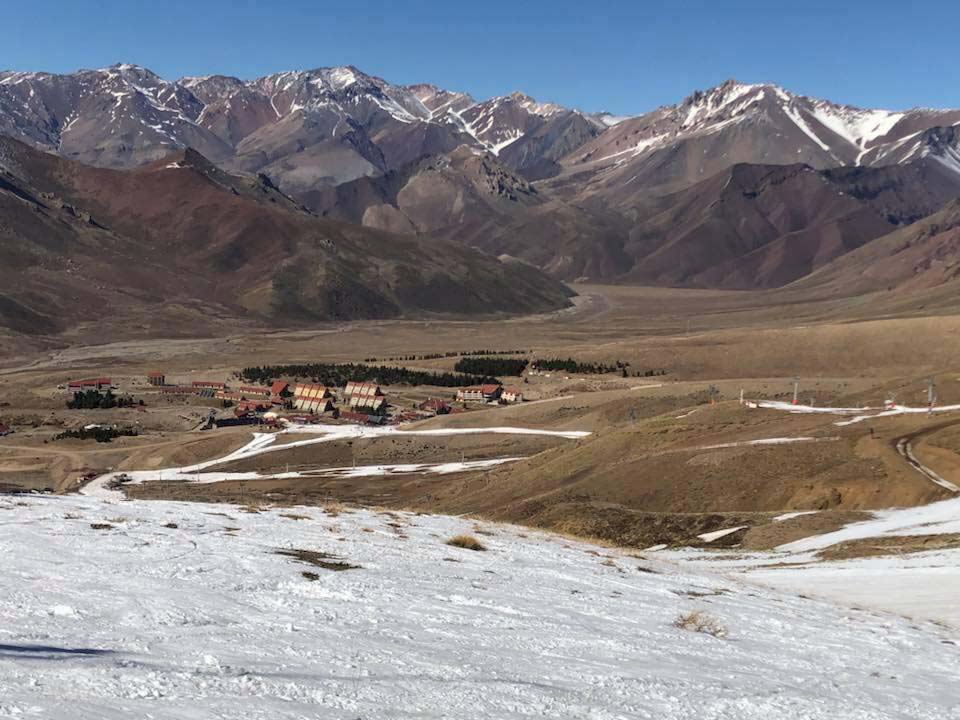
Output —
(181, 244)
(739, 186)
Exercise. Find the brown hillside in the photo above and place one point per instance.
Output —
(181, 232)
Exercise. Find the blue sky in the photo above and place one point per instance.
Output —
(624, 57)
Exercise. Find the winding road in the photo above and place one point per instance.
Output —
(904, 446)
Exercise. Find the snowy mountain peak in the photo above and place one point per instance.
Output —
(722, 102)
(531, 105)
(764, 123)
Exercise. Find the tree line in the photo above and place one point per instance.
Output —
(93, 400)
(338, 374)
(100, 434)
(569, 365)
(491, 366)
(440, 356)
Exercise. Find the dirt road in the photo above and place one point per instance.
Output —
(904, 446)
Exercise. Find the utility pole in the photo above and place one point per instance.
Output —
(796, 388)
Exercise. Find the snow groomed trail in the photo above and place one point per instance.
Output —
(263, 443)
(856, 415)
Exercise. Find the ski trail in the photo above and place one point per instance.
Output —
(263, 443)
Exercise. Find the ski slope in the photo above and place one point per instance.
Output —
(920, 585)
(204, 620)
(856, 415)
(262, 443)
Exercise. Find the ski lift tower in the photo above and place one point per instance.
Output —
(714, 392)
(931, 395)
(796, 388)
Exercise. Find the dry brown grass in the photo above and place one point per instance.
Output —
(467, 542)
(701, 622)
(323, 560)
(896, 545)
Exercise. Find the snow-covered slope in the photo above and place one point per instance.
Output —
(922, 585)
(116, 116)
(755, 123)
(168, 610)
(530, 136)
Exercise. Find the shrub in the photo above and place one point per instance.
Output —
(701, 622)
(467, 542)
(100, 434)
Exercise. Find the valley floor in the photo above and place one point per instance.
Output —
(172, 610)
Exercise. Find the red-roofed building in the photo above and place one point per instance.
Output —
(157, 378)
(280, 388)
(365, 396)
(253, 405)
(98, 384)
(436, 406)
(312, 398)
(5, 430)
(479, 393)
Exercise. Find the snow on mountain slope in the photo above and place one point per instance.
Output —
(304, 128)
(440, 101)
(173, 610)
(116, 116)
(752, 123)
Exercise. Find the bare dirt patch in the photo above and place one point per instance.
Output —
(467, 542)
(773, 534)
(895, 545)
(327, 561)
